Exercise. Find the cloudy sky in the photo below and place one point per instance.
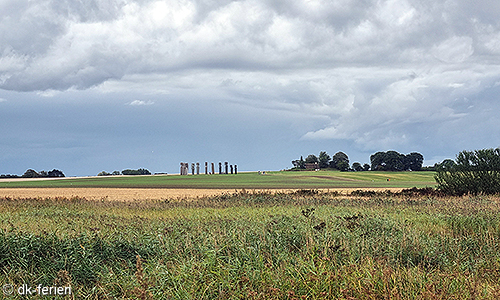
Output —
(92, 85)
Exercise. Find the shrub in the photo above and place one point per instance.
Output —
(136, 172)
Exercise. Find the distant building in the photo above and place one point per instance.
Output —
(312, 166)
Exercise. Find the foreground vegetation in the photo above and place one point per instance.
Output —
(301, 245)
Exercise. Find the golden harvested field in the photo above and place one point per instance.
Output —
(114, 194)
(129, 194)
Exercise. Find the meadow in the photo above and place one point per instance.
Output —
(249, 180)
(305, 244)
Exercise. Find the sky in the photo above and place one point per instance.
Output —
(93, 85)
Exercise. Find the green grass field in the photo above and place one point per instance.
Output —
(249, 180)
(300, 245)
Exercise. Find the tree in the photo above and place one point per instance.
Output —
(30, 173)
(299, 163)
(366, 167)
(311, 158)
(343, 166)
(447, 164)
(378, 161)
(414, 161)
(55, 173)
(136, 172)
(394, 161)
(473, 172)
(357, 167)
(324, 159)
(340, 161)
(143, 172)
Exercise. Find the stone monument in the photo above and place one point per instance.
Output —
(184, 168)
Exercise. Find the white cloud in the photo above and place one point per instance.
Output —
(48, 93)
(141, 103)
(454, 50)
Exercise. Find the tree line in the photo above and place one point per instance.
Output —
(30, 173)
(139, 171)
(339, 161)
(394, 161)
(380, 161)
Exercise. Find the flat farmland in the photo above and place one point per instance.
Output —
(247, 180)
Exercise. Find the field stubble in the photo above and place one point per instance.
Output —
(131, 194)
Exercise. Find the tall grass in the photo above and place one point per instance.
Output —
(301, 245)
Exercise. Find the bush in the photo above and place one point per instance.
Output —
(136, 172)
(474, 172)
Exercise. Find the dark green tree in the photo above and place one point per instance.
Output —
(299, 164)
(143, 172)
(447, 164)
(56, 173)
(343, 166)
(378, 161)
(311, 158)
(357, 167)
(414, 161)
(474, 172)
(324, 160)
(394, 161)
(136, 172)
(340, 161)
(30, 173)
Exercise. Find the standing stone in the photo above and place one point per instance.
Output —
(220, 167)
(206, 168)
(231, 169)
(184, 168)
(225, 165)
(192, 168)
(235, 169)
(213, 169)
(197, 168)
